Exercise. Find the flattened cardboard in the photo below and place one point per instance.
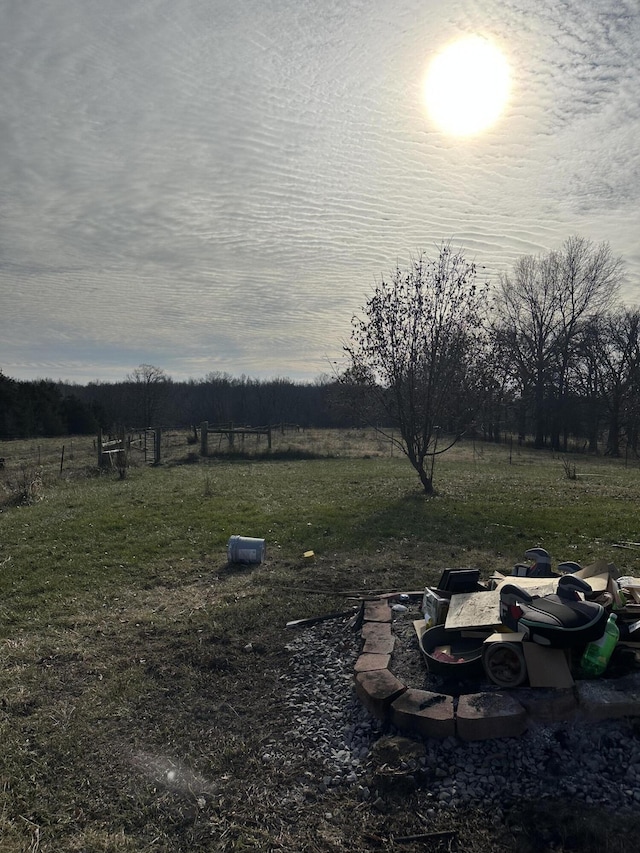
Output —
(505, 637)
(480, 634)
(635, 593)
(474, 610)
(495, 579)
(598, 583)
(600, 567)
(534, 586)
(482, 609)
(547, 667)
(420, 627)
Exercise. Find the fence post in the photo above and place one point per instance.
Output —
(204, 434)
(123, 456)
(100, 448)
(156, 447)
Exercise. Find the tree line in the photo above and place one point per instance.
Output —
(151, 398)
(45, 408)
(549, 355)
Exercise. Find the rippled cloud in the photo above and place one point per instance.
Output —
(216, 185)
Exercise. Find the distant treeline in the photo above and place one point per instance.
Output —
(46, 408)
(151, 398)
(604, 418)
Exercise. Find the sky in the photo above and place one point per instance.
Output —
(217, 185)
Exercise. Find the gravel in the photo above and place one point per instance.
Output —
(595, 764)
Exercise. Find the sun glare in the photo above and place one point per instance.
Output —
(467, 86)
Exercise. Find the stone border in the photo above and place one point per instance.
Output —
(475, 716)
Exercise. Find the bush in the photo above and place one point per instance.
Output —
(28, 488)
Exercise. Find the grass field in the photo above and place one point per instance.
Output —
(124, 631)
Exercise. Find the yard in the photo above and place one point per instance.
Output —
(144, 680)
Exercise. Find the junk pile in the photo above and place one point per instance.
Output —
(539, 626)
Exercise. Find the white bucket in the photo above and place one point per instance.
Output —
(242, 549)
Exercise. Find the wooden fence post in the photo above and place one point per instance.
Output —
(204, 435)
(156, 447)
(122, 457)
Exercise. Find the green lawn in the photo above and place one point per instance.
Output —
(123, 628)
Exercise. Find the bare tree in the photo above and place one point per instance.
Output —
(414, 350)
(150, 385)
(540, 309)
(611, 353)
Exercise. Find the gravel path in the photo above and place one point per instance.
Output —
(595, 764)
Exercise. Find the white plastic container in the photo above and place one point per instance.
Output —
(435, 607)
(242, 549)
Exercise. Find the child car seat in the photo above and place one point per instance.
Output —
(539, 568)
(562, 620)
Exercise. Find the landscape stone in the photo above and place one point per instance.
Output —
(367, 662)
(424, 713)
(377, 611)
(608, 700)
(376, 690)
(481, 716)
(371, 629)
(378, 638)
(547, 705)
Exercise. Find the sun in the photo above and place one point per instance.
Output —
(466, 86)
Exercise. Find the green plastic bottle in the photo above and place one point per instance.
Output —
(596, 655)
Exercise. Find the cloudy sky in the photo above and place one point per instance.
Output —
(216, 185)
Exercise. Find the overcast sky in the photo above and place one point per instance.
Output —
(216, 185)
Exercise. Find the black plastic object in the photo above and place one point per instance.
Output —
(467, 648)
(460, 580)
(539, 568)
(559, 621)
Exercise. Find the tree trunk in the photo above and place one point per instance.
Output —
(613, 438)
(539, 416)
(425, 479)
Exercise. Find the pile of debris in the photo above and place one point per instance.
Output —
(536, 626)
(546, 641)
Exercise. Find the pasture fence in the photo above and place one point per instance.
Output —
(230, 432)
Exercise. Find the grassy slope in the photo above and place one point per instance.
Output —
(124, 631)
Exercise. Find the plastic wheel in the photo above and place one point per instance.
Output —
(504, 663)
